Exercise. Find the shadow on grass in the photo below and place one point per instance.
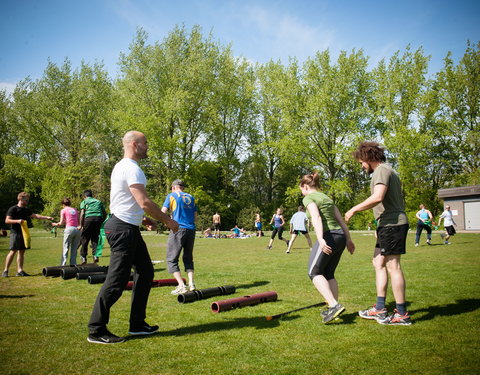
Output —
(252, 285)
(460, 306)
(16, 296)
(258, 322)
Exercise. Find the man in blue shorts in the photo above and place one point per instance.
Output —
(184, 211)
(386, 199)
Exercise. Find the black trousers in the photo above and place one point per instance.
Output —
(127, 250)
(90, 232)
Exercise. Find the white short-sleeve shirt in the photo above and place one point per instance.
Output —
(298, 221)
(122, 203)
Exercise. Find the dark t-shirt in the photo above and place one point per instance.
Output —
(17, 213)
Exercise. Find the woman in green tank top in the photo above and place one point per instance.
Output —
(332, 237)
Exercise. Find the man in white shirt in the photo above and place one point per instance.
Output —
(448, 223)
(298, 224)
(128, 202)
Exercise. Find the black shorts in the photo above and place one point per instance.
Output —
(391, 240)
(450, 230)
(297, 232)
(216, 226)
(16, 241)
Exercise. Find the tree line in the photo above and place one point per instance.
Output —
(242, 134)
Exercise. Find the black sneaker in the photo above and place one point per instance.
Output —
(5, 274)
(333, 312)
(144, 329)
(22, 273)
(105, 337)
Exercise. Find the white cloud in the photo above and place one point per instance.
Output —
(7, 87)
(284, 35)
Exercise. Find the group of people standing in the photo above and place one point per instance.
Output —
(425, 221)
(80, 229)
(130, 205)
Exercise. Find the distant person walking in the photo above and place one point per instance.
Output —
(278, 223)
(19, 235)
(448, 224)
(299, 224)
(424, 217)
(71, 234)
(92, 215)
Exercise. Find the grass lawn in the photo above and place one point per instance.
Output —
(44, 320)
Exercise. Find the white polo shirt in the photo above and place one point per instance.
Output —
(122, 203)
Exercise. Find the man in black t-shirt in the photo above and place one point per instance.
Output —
(19, 237)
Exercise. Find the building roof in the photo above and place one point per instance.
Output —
(459, 191)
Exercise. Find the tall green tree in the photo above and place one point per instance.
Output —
(64, 126)
(400, 85)
(336, 115)
(165, 91)
(459, 93)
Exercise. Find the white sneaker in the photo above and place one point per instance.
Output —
(416, 245)
(180, 289)
(192, 287)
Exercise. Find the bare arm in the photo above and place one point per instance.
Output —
(82, 219)
(150, 207)
(41, 217)
(338, 217)
(61, 222)
(379, 192)
(318, 226)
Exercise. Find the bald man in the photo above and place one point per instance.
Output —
(128, 203)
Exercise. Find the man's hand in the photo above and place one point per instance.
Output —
(349, 214)
(350, 246)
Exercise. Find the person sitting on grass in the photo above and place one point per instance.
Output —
(236, 232)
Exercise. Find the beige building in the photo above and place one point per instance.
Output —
(465, 205)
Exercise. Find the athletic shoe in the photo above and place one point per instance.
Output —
(269, 247)
(428, 242)
(323, 313)
(447, 243)
(287, 252)
(192, 287)
(333, 312)
(416, 245)
(84, 261)
(105, 337)
(396, 319)
(144, 329)
(373, 313)
(181, 289)
(5, 274)
(96, 259)
(22, 273)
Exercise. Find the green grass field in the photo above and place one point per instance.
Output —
(44, 320)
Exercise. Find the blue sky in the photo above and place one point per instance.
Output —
(33, 31)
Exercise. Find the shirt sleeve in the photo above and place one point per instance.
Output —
(166, 203)
(382, 176)
(135, 176)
